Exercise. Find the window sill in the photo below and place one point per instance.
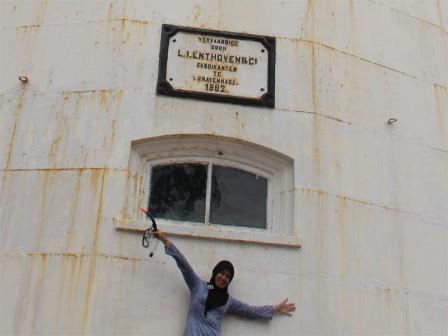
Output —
(213, 232)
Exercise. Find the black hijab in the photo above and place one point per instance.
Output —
(218, 297)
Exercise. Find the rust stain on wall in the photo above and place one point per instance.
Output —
(308, 28)
(93, 260)
(87, 299)
(240, 125)
(40, 10)
(61, 169)
(125, 35)
(65, 122)
(103, 95)
(121, 258)
(117, 97)
(17, 113)
(141, 192)
(196, 12)
(133, 31)
(113, 127)
(73, 210)
(38, 291)
(27, 33)
(128, 192)
(61, 125)
(107, 99)
(99, 214)
(93, 182)
(54, 147)
(315, 136)
(75, 256)
(27, 28)
(132, 206)
(110, 11)
(55, 254)
(78, 92)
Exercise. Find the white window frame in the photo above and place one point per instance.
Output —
(276, 167)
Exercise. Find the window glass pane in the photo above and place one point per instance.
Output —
(238, 198)
(178, 192)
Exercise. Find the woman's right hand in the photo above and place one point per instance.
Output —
(162, 237)
(284, 307)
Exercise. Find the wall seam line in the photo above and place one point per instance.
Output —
(435, 220)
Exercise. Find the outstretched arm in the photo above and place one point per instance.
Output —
(262, 312)
(188, 273)
(243, 309)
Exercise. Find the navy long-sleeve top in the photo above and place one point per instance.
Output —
(197, 323)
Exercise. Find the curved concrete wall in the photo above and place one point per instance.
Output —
(370, 198)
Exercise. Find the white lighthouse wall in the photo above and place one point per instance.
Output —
(371, 198)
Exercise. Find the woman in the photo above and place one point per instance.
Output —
(210, 301)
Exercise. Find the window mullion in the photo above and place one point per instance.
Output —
(208, 193)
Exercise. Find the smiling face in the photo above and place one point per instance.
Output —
(222, 279)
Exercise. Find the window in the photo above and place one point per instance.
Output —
(238, 198)
(208, 193)
(211, 187)
(178, 192)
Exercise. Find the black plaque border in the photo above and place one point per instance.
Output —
(165, 88)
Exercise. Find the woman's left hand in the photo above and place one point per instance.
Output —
(285, 308)
(161, 236)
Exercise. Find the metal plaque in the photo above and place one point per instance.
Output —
(217, 66)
